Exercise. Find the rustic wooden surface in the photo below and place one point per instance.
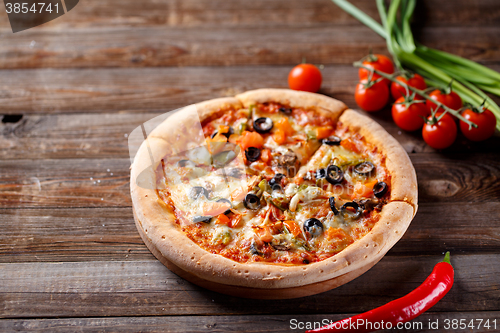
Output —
(73, 89)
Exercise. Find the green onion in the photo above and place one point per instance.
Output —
(468, 79)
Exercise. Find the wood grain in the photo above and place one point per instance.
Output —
(219, 46)
(70, 256)
(148, 288)
(139, 90)
(88, 183)
(94, 234)
(105, 135)
(193, 13)
(65, 183)
(238, 323)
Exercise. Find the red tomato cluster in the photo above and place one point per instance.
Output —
(411, 113)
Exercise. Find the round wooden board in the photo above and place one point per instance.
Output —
(255, 293)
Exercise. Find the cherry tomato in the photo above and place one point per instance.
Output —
(442, 134)
(409, 118)
(485, 121)
(371, 96)
(379, 62)
(451, 100)
(305, 77)
(415, 81)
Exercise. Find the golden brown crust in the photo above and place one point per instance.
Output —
(157, 222)
(257, 293)
(324, 105)
(403, 177)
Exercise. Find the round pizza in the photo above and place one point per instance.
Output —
(271, 194)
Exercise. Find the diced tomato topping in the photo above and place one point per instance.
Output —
(222, 219)
(323, 132)
(284, 125)
(363, 190)
(235, 221)
(279, 136)
(264, 234)
(266, 156)
(350, 145)
(223, 129)
(239, 194)
(293, 227)
(250, 139)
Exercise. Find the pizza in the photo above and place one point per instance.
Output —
(271, 194)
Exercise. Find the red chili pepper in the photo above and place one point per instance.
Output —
(402, 309)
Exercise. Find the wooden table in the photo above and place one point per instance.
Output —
(73, 89)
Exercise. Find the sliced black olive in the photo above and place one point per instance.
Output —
(380, 189)
(183, 163)
(199, 218)
(251, 201)
(332, 141)
(275, 182)
(227, 134)
(313, 226)
(226, 201)
(286, 111)
(263, 125)
(198, 191)
(334, 174)
(320, 173)
(364, 168)
(332, 205)
(252, 154)
(358, 210)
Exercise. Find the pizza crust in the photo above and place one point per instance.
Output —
(326, 106)
(403, 177)
(157, 222)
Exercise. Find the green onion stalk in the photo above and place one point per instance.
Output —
(467, 78)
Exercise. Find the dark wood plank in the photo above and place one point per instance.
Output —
(65, 183)
(175, 13)
(79, 234)
(69, 135)
(457, 177)
(240, 323)
(139, 90)
(190, 13)
(105, 136)
(220, 46)
(88, 183)
(142, 288)
(83, 234)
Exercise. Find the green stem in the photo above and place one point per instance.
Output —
(382, 12)
(417, 91)
(361, 16)
(393, 47)
(406, 17)
(447, 257)
(462, 61)
(490, 89)
(458, 70)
